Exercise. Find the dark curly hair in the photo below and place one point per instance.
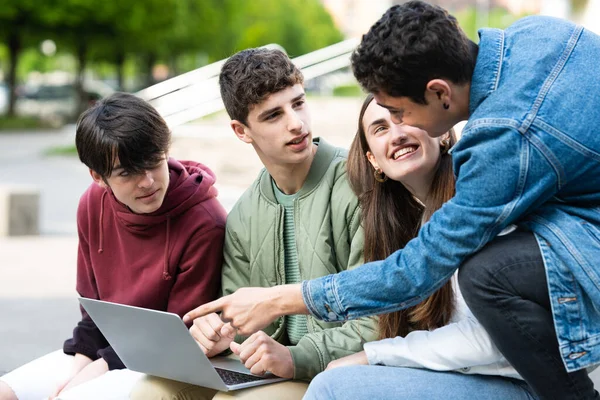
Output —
(410, 45)
(121, 126)
(251, 75)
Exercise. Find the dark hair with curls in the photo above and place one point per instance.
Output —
(121, 126)
(391, 217)
(409, 46)
(250, 76)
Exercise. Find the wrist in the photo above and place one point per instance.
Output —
(288, 300)
(80, 362)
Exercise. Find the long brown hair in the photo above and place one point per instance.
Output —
(391, 217)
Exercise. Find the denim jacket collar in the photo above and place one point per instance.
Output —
(488, 66)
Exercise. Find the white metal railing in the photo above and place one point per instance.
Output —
(196, 93)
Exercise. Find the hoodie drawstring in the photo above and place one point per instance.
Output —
(166, 274)
(101, 223)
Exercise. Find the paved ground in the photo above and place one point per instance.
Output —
(38, 306)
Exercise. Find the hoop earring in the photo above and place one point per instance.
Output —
(446, 106)
(380, 176)
(445, 146)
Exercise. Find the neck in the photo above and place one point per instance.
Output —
(290, 178)
(420, 186)
(463, 96)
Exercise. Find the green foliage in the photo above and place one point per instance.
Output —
(578, 6)
(471, 21)
(69, 150)
(348, 91)
(185, 34)
(300, 26)
(22, 123)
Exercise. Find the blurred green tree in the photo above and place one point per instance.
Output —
(21, 23)
(197, 29)
(496, 18)
(109, 30)
(300, 26)
(185, 34)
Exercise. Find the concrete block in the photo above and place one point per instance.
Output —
(19, 210)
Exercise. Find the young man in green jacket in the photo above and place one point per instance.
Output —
(299, 220)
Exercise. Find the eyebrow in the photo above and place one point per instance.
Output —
(266, 113)
(377, 122)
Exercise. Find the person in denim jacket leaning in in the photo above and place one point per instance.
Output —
(529, 155)
(401, 176)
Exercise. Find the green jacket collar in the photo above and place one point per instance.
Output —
(323, 158)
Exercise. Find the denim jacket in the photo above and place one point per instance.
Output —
(529, 154)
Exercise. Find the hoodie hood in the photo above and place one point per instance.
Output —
(190, 183)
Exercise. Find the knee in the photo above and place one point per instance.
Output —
(474, 277)
(321, 386)
(481, 276)
(154, 388)
(6, 393)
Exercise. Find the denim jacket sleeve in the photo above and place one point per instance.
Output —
(501, 175)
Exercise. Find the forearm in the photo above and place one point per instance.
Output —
(288, 300)
(80, 361)
(87, 340)
(454, 346)
(316, 350)
(89, 372)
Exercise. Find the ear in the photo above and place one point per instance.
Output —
(98, 179)
(372, 160)
(438, 89)
(240, 131)
(446, 137)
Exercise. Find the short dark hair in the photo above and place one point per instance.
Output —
(410, 45)
(251, 75)
(124, 126)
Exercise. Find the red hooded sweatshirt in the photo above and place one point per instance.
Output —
(168, 260)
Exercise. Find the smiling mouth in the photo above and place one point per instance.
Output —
(404, 151)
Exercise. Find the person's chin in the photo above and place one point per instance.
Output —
(142, 208)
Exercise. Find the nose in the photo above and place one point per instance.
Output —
(146, 180)
(398, 133)
(295, 124)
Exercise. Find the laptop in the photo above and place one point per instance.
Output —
(158, 343)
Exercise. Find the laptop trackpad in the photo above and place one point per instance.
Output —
(233, 363)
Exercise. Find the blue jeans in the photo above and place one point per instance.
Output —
(380, 382)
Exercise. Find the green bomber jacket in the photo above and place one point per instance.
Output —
(329, 239)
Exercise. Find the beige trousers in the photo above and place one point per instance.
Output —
(153, 388)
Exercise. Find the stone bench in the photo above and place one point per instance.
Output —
(19, 210)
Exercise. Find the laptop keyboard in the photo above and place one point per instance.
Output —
(235, 378)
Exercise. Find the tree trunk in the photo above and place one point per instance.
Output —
(14, 48)
(81, 51)
(150, 61)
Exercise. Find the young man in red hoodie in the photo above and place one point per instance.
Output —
(151, 235)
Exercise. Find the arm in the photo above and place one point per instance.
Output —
(87, 339)
(199, 275)
(209, 331)
(460, 344)
(501, 177)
